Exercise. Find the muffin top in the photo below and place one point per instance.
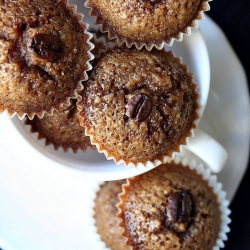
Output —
(43, 55)
(170, 207)
(146, 21)
(62, 129)
(138, 106)
(106, 221)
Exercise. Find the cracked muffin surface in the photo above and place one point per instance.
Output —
(43, 55)
(138, 106)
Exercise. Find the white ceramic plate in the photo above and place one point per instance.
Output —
(43, 207)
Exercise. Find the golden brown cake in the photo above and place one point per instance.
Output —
(105, 215)
(138, 106)
(147, 22)
(44, 53)
(170, 207)
(62, 129)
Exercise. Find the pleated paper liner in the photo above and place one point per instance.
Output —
(147, 23)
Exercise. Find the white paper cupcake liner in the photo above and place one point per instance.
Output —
(100, 43)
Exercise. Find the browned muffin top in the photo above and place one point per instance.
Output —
(146, 21)
(170, 207)
(105, 215)
(43, 55)
(138, 105)
(62, 129)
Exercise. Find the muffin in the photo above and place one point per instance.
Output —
(62, 129)
(138, 106)
(105, 211)
(150, 23)
(173, 207)
(44, 56)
